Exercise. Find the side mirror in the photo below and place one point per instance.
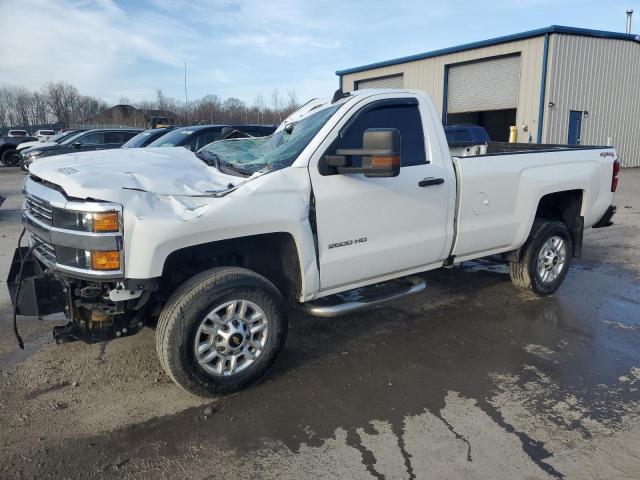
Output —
(380, 154)
(76, 145)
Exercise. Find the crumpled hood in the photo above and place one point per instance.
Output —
(171, 171)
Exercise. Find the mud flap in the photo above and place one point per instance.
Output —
(40, 295)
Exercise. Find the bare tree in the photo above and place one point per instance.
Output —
(234, 109)
(292, 101)
(62, 99)
(4, 107)
(276, 103)
(208, 109)
(62, 103)
(259, 105)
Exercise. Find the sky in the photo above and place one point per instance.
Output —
(243, 48)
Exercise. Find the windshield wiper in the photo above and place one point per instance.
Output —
(234, 168)
(210, 159)
(214, 160)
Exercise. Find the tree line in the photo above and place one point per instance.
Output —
(61, 104)
(54, 103)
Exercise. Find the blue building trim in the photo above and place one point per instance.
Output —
(543, 86)
(584, 32)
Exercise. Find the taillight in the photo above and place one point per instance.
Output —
(614, 176)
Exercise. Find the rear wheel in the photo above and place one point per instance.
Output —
(545, 259)
(10, 157)
(221, 331)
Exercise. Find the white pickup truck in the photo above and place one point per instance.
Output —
(358, 193)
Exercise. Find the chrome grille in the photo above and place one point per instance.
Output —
(43, 249)
(39, 209)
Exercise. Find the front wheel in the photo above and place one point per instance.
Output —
(10, 158)
(221, 331)
(545, 260)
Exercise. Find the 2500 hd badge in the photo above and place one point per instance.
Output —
(348, 242)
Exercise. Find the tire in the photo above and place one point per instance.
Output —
(544, 262)
(10, 157)
(202, 312)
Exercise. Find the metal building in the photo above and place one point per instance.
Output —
(556, 85)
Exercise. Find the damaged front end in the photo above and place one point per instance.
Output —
(96, 311)
(74, 263)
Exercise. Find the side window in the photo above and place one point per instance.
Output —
(206, 139)
(114, 137)
(405, 118)
(128, 135)
(95, 138)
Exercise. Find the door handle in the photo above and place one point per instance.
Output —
(427, 182)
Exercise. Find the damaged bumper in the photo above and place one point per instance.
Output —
(93, 317)
(39, 293)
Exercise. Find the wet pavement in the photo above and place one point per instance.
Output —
(470, 379)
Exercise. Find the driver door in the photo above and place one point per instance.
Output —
(373, 227)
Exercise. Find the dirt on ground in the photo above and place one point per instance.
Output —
(470, 379)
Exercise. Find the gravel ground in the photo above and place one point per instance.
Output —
(469, 379)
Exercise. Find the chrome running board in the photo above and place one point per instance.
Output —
(336, 305)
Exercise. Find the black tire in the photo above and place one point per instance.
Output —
(524, 272)
(10, 157)
(184, 312)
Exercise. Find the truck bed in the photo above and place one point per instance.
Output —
(498, 197)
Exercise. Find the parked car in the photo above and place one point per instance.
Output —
(9, 155)
(197, 136)
(336, 211)
(44, 135)
(466, 140)
(148, 136)
(17, 133)
(466, 134)
(89, 140)
(59, 138)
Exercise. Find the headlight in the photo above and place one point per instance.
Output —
(88, 259)
(99, 222)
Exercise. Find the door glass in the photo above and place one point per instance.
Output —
(96, 138)
(114, 137)
(206, 139)
(405, 118)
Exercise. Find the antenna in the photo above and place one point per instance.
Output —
(629, 16)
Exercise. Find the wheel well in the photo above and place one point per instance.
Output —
(566, 207)
(272, 255)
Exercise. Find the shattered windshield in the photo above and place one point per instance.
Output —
(265, 154)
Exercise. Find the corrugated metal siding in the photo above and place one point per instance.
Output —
(428, 75)
(394, 81)
(599, 76)
(484, 85)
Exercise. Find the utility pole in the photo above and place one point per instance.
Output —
(186, 98)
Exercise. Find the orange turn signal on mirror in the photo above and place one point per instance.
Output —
(105, 260)
(386, 161)
(106, 222)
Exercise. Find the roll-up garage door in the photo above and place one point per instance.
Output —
(484, 85)
(392, 81)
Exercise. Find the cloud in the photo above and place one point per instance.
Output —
(88, 43)
(279, 43)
